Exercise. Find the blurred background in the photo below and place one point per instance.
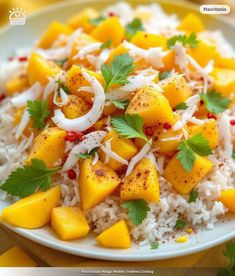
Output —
(32, 5)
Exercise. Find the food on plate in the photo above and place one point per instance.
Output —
(119, 123)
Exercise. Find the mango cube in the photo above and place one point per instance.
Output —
(98, 181)
(191, 24)
(16, 84)
(116, 236)
(76, 107)
(184, 181)
(228, 198)
(224, 80)
(142, 183)
(69, 222)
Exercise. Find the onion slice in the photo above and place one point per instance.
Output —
(30, 94)
(23, 123)
(91, 141)
(90, 118)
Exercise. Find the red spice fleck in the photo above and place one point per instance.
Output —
(22, 58)
(211, 116)
(71, 136)
(79, 136)
(201, 102)
(111, 14)
(148, 131)
(166, 125)
(232, 122)
(2, 97)
(71, 174)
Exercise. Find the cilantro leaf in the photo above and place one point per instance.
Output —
(129, 126)
(230, 253)
(188, 149)
(137, 210)
(199, 144)
(60, 62)
(133, 27)
(118, 70)
(181, 106)
(86, 155)
(106, 44)
(62, 86)
(26, 180)
(186, 156)
(193, 196)
(120, 104)
(39, 112)
(190, 40)
(180, 224)
(215, 102)
(96, 21)
(154, 245)
(164, 75)
(233, 154)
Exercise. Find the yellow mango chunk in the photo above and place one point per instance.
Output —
(101, 124)
(169, 60)
(76, 107)
(184, 181)
(146, 40)
(205, 52)
(182, 239)
(209, 130)
(33, 211)
(192, 24)
(224, 62)
(75, 80)
(82, 40)
(52, 33)
(16, 84)
(176, 91)
(142, 183)
(69, 222)
(109, 109)
(81, 20)
(227, 197)
(152, 106)
(120, 49)
(17, 118)
(123, 147)
(96, 182)
(16, 257)
(109, 29)
(39, 69)
(116, 236)
(224, 80)
(52, 141)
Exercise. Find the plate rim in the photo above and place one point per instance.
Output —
(113, 256)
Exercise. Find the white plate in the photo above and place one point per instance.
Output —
(24, 36)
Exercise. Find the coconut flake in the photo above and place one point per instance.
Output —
(160, 164)
(90, 118)
(23, 123)
(111, 154)
(64, 98)
(173, 138)
(141, 154)
(91, 141)
(29, 95)
(152, 157)
(181, 57)
(87, 50)
(96, 158)
(225, 135)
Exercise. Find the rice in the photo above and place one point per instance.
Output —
(162, 217)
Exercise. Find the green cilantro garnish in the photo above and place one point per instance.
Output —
(129, 126)
(122, 104)
(230, 254)
(137, 210)
(190, 40)
(96, 21)
(133, 27)
(118, 70)
(60, 62)
(106, 44)
(154, 245)
(181, 106)
(62, 86)
(189, 148)
(193, 196)
(233, 154)
(215, 102)
(39, 112)
(180, 224)
(164, 75)
(86, 155)
(26, 180)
